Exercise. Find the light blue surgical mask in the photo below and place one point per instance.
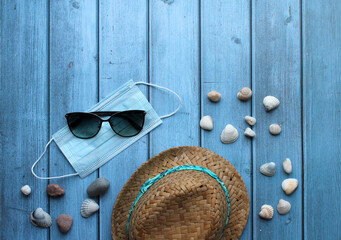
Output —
(87, 155)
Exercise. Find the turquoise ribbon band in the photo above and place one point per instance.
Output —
(151, 181)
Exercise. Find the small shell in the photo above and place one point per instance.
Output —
(289, 185)
(206, 123)
(229, 134)
(88, 208)
(283, 207)
(249, 133)
(266, 212)
(250, 120)
(275, 129)
(26, 190)
(214, 96)
(245, 94)
(287, 167)
(268, 169)
(39, 218)
(270, 103)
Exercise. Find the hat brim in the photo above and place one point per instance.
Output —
(186, 155)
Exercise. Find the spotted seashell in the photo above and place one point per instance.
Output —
(40, 218)
(244, 94)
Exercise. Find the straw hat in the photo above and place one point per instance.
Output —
(181, 194)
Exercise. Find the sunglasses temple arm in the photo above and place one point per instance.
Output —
(46, 178)
(167, 89)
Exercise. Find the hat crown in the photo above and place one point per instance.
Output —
(188, 203)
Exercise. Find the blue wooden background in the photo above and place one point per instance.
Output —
(62, 56)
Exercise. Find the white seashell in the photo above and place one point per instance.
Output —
(26, 190)
(268, 169)
(250, 120)
(229, 134)
(275, 129)
(266, 212)
(289, 185)
(283, 207)
(249, 133)
(244, 94)
(214, 96)
(287, 167)
(206, 123)
(270, 103)
(40, 218)
(88, 208)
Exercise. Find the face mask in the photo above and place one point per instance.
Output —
(87, 155)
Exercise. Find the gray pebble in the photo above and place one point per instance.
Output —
(98, 187)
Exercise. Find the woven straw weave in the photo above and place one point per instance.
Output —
(183, 205)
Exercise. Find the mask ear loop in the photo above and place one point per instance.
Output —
(46, 178)
(167, 89)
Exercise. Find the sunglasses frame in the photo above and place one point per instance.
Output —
(104, 113)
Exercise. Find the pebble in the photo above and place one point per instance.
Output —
(214, 96)
(98, 187)
(54, 190)
(249, 133)
(26, 190)
(275, 129)
(250, 120)
(64, 222)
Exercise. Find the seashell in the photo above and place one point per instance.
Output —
(266, 212)
(249, 133)
(214, 96)
(54, 190)
(283, 207)
(40, 218)
(26, 190)
(275, 129)
(229, 134)
(289, 185)
(244, 94)
(64, 222)
(98, 187)
(250, 120)
(287, 167)
(206, 123)
(88, 208)
(268, 169)
(270, 103)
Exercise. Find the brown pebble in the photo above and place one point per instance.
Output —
(64, 222)
(54, 190)
(214, 96)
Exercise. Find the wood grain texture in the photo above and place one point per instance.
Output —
(225, 67)
(24, 114)
(174, 63)
(74, 87)
(276, 71)
(122, 56)
(322, 118)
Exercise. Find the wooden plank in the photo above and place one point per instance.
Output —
(174, 63)
(73, 87)
(322, 118)
(225, 67)
(123, 56)
(276, 71)
(24, 114)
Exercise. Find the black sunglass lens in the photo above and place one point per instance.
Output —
(84, 125)
(128, 123)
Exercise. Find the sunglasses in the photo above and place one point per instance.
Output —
(125, 124)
